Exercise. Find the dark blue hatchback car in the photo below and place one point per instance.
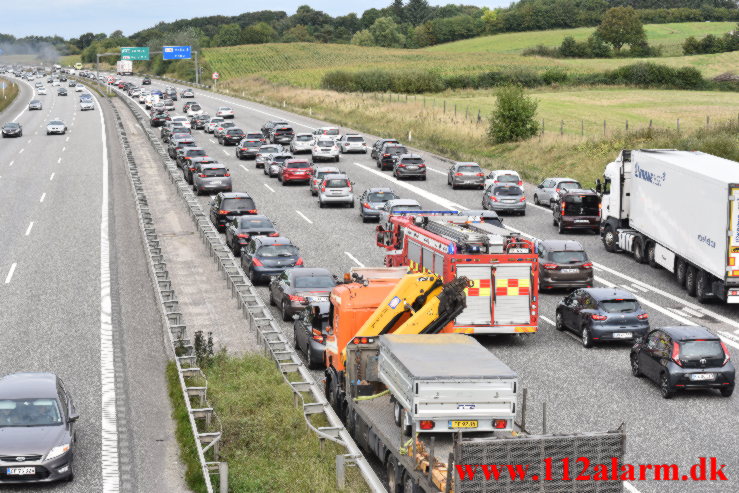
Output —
(264, 257)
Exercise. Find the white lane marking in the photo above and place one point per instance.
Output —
(10, 273)
(692, 312)
(225, 152)
(354, 259)
(51, 177)
(435, 170)
(630, 487)
(11, 163)
(269, 188)
(28, 230)
(547, 320)
(58, 160)
(29, 141)
(303, 216)
(244, 168)
(109, 424)
(640, 288)
(43, 196)
(729, 339)
(64, 149)
(212, 141)
(67, 140)
(21, 151)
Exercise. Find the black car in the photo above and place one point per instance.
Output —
(265, 256)
(37, 425)
(309, 332)
(602, 314)
(183, 159)
(390, 153)
(294, 289)
(378, 145)
(267, 128)
(282, 134)
(231, 136)
(145, 81)
(372, 201)
(241, 228)
(158, 119)
(12, 129)
(194, 165)
(61, 91)
(248, 148)
(682, 358)
(227, 205)
(198, 121)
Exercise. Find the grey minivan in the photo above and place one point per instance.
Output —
(335, 189)
(211, 178)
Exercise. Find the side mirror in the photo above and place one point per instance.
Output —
(73, 417)
(540, 185)
(598, 186)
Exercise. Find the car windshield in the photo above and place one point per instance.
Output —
(355, 139)
(238, 204)
(266, 149)
(11, 125)
(337, 183)
(29, 412)
(395, 150)
(214, 171)
(303, 282)
(381, 196)
(325, 143)
(691, 350)
(255, 223)
(56, 122)
(300, 165)
(619, 306)
(469, 169)
(507, 179)
(412, 160)
(277, 251)
(304, 138)
(508, 191)
(568, 257)
(570, 184)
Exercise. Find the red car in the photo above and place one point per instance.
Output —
(295, 170)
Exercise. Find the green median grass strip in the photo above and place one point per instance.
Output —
(265, 441)
(9, 94)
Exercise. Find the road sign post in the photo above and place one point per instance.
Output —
(215, 76)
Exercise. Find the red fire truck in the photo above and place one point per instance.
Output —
(502, 265)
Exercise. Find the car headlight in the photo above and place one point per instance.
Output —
(57, 451)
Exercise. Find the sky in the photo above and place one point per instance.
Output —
(70, 18)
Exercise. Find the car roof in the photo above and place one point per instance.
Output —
(272, 240)
(466, 163)
(332, 169)
(379, 190)
(600, 294)
(504, 185)
(297, 160)
(578, 191)
(394, 202)
(309, 272)
(688, 332)
(559, 178)
(562, 245)
(505, 171)
(256, 216)
(28, 385)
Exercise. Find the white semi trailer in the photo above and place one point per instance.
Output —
(678, 210)
(124, 67)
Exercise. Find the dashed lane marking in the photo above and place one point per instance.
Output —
(304, 217)
(28, 230)
(9, 277)
(354, 259)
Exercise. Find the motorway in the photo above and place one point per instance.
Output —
(72, 297)
(585, 390)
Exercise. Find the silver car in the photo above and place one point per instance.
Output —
(264, 154)
(87, 104)
(325, 150)
(547, 191)
(319, 175)
(35, 104)
(301, 143)
(222, 127)
(56, 127)
(465, 175)
(272, 166)
(352, 143)
(212, 123)
(211, 178)
(505, 197)
(335, 189)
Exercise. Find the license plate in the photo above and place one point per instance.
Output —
(509, 201)
(463, 424)
(21, 471)
(570, 271)
(622, 335)
(702, 376)
(412, 167)
(318, 298)
(581, 221)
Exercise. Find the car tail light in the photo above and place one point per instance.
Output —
(643, 316)
(299, 262)
(366, 206)
(562, 208)
(274, 234)
(523, 199)
(457, 174)
(323, 188)
(426, 424)
(499, 424)
(595, 316)
(227, 174)
(401, 165)
(726, 354)
(587, 265)
(421, 165)
(550, 266)
(556, 190)
(479, 174)
(256, 262)
(520, 183)
(676, 354)
(318, 336)
(242, 235)
(251, 211)
(202, 175)
(386, 155)
(221, 212)
(496, 181)
(294, 297)
(244, 149)
(493, 198)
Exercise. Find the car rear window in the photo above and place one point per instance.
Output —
(284, 129)
(406, 208)
(619, 306)
(325, 143)
(304, 138)
(253, 143)
(469, 169)
(315, 282)
(235, 132)
(214, 172)
(355, 139)
(246, 222)
(582, 205)
(691, 350)
(280, 159)
(331, 131)
(265, 149)
(337, 183)
(56, 122)
(238, 204)
(570, 184)
(277, 251)
(568, 257)
(396, 150)
(381, 196)
(412, 160)
(299, 165)
(195, 107)
(507, 179)
(196, 153)
(254, 135)
(508, 191)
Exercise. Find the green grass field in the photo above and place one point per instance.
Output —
(8, 94)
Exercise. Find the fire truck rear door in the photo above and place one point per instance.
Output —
(512, 294)
(478, 296)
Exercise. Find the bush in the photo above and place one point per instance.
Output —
(654, 75)
(409, 82)
(555, 75)
(514, 116)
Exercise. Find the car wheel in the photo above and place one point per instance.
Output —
(351, 206)
(536, 200)
(253, 277)
(727, 391)
(285, 311)
(312, 364)
(423, 178)
(321, 204)
(336, 159)
(664, 387)
(454, 186)
(272, 299)
(397, 412)
(681, 270)
(560, 228)
(364, 218)
(638, 251)
(391, 467)
(559, 323)
(635, 370)
(586, 338)
(691, 280)
(295, 338)
(408, 483)
(284, 183)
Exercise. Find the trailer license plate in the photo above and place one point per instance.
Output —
(702, 376)
(21, 471)
(463, 424)
(622, 335)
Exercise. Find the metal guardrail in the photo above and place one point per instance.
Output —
(261, 321)
(204, 422)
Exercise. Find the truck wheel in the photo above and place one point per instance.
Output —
(638, 251)
(691, 278)
(681, 269)
(391, 467)
(397, 413)
(702, 289)
(651, 247)
(610, 241)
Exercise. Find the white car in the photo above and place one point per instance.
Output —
(56, 83)
(194, 110)
(38, 84)
(330, 132)
(183, 120)
(56, 126)
(352, 143)
(87, 104)
(143, 95)
(78, 88)
(301, 143)
(225, 112)
(212, 124)
(325, 149)
(504, 176)
(41, 91)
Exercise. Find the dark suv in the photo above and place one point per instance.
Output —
(244, 227)
(282, 135)
(683, 357)
(231, 136)
(577, 209)
(564, 264)
(379, 144)
(266, 256)
(389, 153)
(158, 119)
(227, 205)
(409, 166)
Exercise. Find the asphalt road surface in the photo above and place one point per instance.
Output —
(585, 389)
